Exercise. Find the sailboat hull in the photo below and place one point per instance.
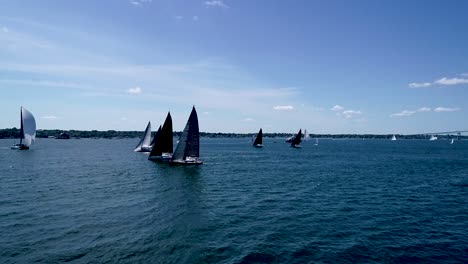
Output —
(296, 146)
(166, 157)
(258, 146)
(144, 149)
(187, 161)
(20, 147)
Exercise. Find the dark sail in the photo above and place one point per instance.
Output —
(21, 129)
(164, 142)
(155, 139)
(258, 139)
(297, 140)
(189, 141)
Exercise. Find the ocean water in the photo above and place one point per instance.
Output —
(343, 201)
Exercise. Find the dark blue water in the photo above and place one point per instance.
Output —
(346, 201)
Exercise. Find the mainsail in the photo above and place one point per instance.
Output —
(145, 140)
(28, 127)
(164, 142)
(297, 140)
(155, 138)
(188, 148)
(258, 140)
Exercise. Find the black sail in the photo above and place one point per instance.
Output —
(189, 141)
(163, 142)
(258, 139)
(297, 140)
(155, 139)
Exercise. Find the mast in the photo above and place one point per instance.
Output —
(21, 129)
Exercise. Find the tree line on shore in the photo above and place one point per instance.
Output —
(52, 133)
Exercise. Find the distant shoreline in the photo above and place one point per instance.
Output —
(52, 133)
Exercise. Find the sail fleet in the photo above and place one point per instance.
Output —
(161, 147)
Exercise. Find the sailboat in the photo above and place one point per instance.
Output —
(297, 140)
(451, 141)
(258, 140)
(316, 142)
(162, 149)
(27, 130)
(144, 144)
(433, 138)
(155, 138)
(393, 138)
(306, 135)
(187, 151)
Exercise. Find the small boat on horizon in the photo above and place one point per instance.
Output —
(163, 142)
(316, 142)
(145, 141)
(27, 130)
(433, 138)
(306, 135)
(393, 138)
(258, 142)
(187, 151)
(451, 141)
(297, 140)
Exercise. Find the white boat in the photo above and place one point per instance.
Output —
(393, 138)
(297, 140)
(258, 142)
(27, 130)
(145, 142)
(163, 142)
(451, 141)
(187, 151)
(316, 142)
(306, 135)
(433, 138)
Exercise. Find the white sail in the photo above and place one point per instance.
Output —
(306, 135)
(433, 138)
(451, 142)
(393, 137)
(29, 127)
(145, 141)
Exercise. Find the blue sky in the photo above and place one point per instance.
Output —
(326, 66)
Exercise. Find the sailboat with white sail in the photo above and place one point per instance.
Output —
(451, 141)
(258, 142)
(393, 138)
(145, 141)
(187, 151)
(163, 146)
(27, 130)
(297, 140)
(306, 135)
(433, 137)
(316, 142)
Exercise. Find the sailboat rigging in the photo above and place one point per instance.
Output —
(163, 147)
(187, 151)
(297, 140)
(27, 130)
(258, 142)
(144, 144)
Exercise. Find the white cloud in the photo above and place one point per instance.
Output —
(418, 85)
(451, 81)
(283, 107)
(140, 2)
(423, 109)
(195, 18)
(136, 90)
(445, 109)
(337, 108)
(216, 3)
(50, 117)
(404, 113)
(248, 119)
(351, 113)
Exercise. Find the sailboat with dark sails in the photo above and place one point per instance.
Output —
(144, 144)
(258, 142)
(187, 151)
(163, 145)
(297, 140)
(27, 130)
